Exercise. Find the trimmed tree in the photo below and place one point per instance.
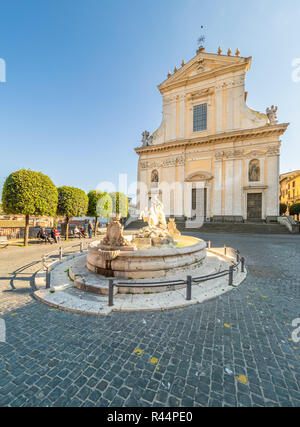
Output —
(104, 206)
(120, 204)
(295, 210)
(71, 202)
(112, 203)
(283, 209)
(94, 197)
(29, 193)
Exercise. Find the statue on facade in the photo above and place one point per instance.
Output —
(154, 176)
(146, 138)
(254, 171)
(272, 115)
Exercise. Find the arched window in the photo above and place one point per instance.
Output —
(254, 170)
(154, 176)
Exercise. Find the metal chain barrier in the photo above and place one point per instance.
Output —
(59, 254)
(189, 280)
(240, 261)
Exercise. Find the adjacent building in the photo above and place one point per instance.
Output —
(212, 158)
(290, 188)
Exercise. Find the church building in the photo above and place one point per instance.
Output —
(212, 158)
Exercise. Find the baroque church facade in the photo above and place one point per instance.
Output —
(212, 158)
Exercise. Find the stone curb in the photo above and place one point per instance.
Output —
(43, 295)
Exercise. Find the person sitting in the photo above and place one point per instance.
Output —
(42, 234)
(55, 235)
(77, 232)
(82, 231)
(38, 236)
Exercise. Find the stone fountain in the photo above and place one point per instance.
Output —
(155, 255)
(157, 250)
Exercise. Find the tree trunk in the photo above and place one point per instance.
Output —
(26, 234)
(96, 226)
(67, 228)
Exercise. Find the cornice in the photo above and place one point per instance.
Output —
(290, 176)
(234, 136)
(256, 187)
(166, 86)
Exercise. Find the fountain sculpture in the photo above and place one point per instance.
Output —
(157, 250)
(157, 232)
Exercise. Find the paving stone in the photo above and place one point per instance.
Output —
(148, 395)
(102, 385)
(110, 393)
(117, 402)
(124, 392)
(94, 396)
(56, 358)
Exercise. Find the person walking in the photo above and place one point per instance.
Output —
(90, 229)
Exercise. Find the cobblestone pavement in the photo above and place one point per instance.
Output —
(235, 350)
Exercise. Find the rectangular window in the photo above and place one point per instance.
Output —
(200, 118)
(194, 202)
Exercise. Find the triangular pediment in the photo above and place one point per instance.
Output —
(203, 65)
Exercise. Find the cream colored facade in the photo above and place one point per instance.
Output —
(208, 174)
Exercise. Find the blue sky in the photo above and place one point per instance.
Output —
(82, 76)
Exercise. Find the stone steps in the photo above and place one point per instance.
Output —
(136, 225)
(243, 228)
(223, 227)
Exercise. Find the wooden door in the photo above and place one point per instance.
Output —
(254, 206)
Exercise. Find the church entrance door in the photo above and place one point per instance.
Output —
(199, 203)
(254, 206)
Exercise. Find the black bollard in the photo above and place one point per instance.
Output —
(189, 288)
(243, 264)
(47, 277)
(230, 281)
(110, 293)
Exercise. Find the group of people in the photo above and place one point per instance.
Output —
(46, 237)
(81, 231)
(54, 235)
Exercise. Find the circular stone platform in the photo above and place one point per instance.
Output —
(70, 277)
(153, 262)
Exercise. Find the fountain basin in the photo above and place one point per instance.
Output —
(150, 263)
